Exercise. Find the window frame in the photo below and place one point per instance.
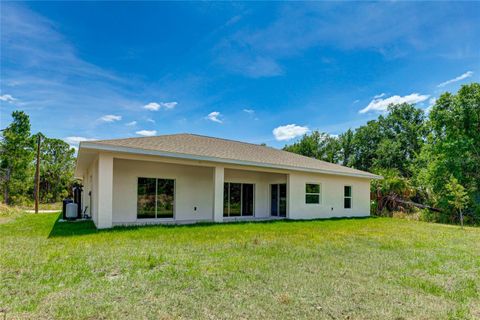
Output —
(348, 197)
(156, 200)
(319, 194)
(241, 200)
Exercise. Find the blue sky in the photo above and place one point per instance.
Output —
(256, 72)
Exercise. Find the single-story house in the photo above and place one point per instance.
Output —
(186, 178)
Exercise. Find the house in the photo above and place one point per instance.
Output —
(185, 178)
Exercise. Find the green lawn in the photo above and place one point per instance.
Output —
(337, 269)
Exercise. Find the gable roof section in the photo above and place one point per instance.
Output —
(197, 147)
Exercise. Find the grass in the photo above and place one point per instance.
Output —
(44, 206)
(377, 268)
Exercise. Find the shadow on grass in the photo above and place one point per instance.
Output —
(86, 227)
(72, 228)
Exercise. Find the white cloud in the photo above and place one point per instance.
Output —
(356, 101)
(76, 140)
(131, 123)
(111, 118)
(380, 105)
(169, 105)
(154, 106)
(466, 75)
(150, 120)
(214, 116)
(250, 111)
(289, 132)
(7, 98)
(378, 96)
(146, 133)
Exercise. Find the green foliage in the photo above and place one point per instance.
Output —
(418, 155)
(392, 141)
(17, 164)
(452, 148)
(56, 170)
(318, 145)
(16, 155)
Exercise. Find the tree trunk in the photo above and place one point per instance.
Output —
(461, 218)
(37, 174)
(7, 183)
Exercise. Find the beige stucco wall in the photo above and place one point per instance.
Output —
(195, 187)
(90, 184)
(262, 182)
(332, 196)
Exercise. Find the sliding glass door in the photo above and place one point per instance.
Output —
(155, 198)
(278, 200)
(238, 199)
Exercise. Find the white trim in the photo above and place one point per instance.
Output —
(137, 219)
(320, 189)
(96, 146)
(241, 199)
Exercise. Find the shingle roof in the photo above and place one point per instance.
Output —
(216, 149)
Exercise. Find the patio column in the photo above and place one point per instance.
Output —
(218, 180)
(105, 191)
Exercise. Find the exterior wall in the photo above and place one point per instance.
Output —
(262, 182)
(193, 188)
(200, 185)
(332, 196)
(90, 195)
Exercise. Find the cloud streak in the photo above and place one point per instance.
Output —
(381, 105)
(7, 98)
(146, 133)
(154, 106)
(464, 76)
(110, 118)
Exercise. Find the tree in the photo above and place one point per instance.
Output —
(453, 148)
(16, 155)
(318, 145)
(457, 196)
(347, 147)
(366, 140)
(57, 165)
(389, 190)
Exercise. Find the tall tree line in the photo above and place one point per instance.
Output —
(424, 158)
(17, 164)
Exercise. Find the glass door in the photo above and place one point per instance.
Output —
(238, 199)
(278, 200)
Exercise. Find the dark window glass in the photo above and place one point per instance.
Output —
(235, 199)
(347, 202)
(247, 199)
(347, 190)
(146, 198)
(283, 200)
(225, 199)
(312, 198)
(274, 200)
(165, 198)
(312, 188)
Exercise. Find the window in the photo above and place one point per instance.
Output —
(312, 193)
(155, 198)
(347, 197)
(238, 199)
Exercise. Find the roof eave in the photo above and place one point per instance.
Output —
(130, 150)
